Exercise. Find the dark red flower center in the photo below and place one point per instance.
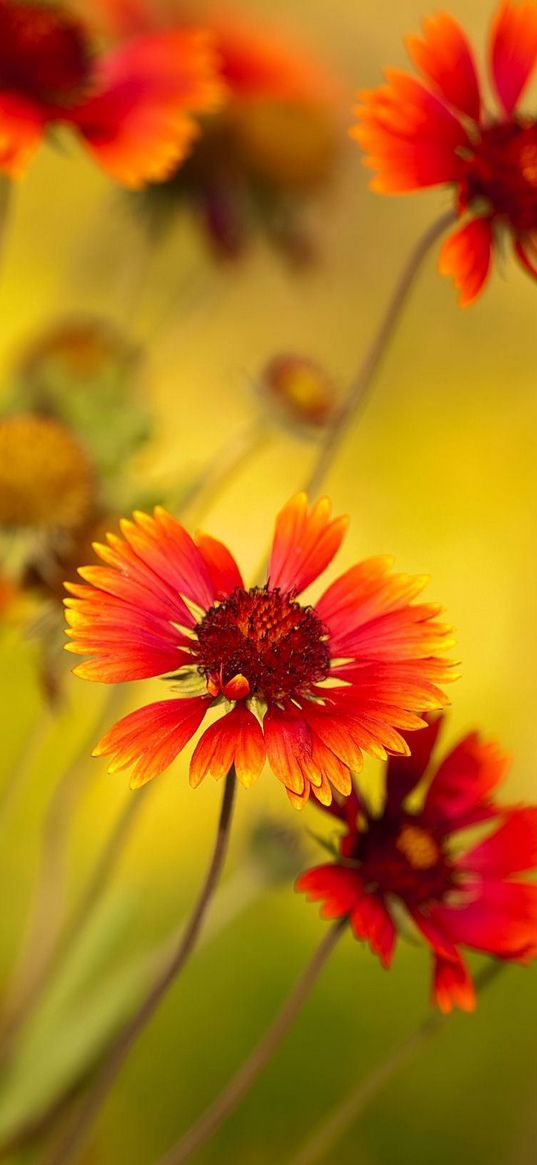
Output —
(261, 643)
(44, 55)
(403, 858)
(502, 173)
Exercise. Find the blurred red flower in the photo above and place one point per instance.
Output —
(309, 688)
(410, 860)
(417, 135)
(273, 145)
(132, 105)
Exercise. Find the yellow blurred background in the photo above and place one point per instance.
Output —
(440, 471)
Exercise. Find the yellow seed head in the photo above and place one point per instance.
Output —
(46, 480)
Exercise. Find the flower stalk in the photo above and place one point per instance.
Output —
(329, 1131)
(240, 1084)
(363, 379)
(76, 1133)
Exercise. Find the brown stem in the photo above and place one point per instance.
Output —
(327, 1133)
(242, 1081)
(364, 376)
(75, 1135)
(6, 199)
(227, 461)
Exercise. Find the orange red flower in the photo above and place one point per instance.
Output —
(308, 688)
(133, 106)
(274, 143)
(411, 860)
(421, 133)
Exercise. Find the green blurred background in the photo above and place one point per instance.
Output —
(440, 470)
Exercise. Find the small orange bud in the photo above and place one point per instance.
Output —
(300, 389)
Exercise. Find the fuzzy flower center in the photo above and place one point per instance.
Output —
(502, 172)
(44, 56)
(403, 858)
(45, 476)
(418, 847)
(261, 643)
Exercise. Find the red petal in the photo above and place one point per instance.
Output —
(452, 985)
(370, 613)
(339, 887)
(138, 124)
(289, 742)
(509, 850)
(466, 256)
(445, 57)
(464, 782)
(22, 126)
(403, 773)
(224, 572)
(151, 738)
(526, 251)
(305, 542)
(410, 138)
(501, 920)
(370, 920)
(513, 49)
(237, 740)
(128, 617)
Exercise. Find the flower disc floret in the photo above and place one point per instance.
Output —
(44, 54)
(278, 646)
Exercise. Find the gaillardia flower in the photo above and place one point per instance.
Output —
(418, 134)
(308, 688)
(410, 863)
(132, 105)
(271, 148)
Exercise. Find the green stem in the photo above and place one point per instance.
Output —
(231, 1096)
(77, 1132)
(361, 383)
(40, 953)
(328, 1132)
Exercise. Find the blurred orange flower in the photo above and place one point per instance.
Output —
(310, 687)
(406, 860)
(132, 105)
(418, 135)
(274, 143)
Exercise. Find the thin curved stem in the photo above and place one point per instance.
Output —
(39, 955)
(234, 896)
(6, 199)
(328, 1132)
(364, 376)
(227, 461)
(242, 1081)
(76, 1134)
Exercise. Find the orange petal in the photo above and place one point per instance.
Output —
(443, 54)
(139, 124)
(452, 985)
(410, 138)
(149, 739)
(466, 256)
(305, 542)
(236, 740)
(22, 126)
(513, 49)
(224, 572)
